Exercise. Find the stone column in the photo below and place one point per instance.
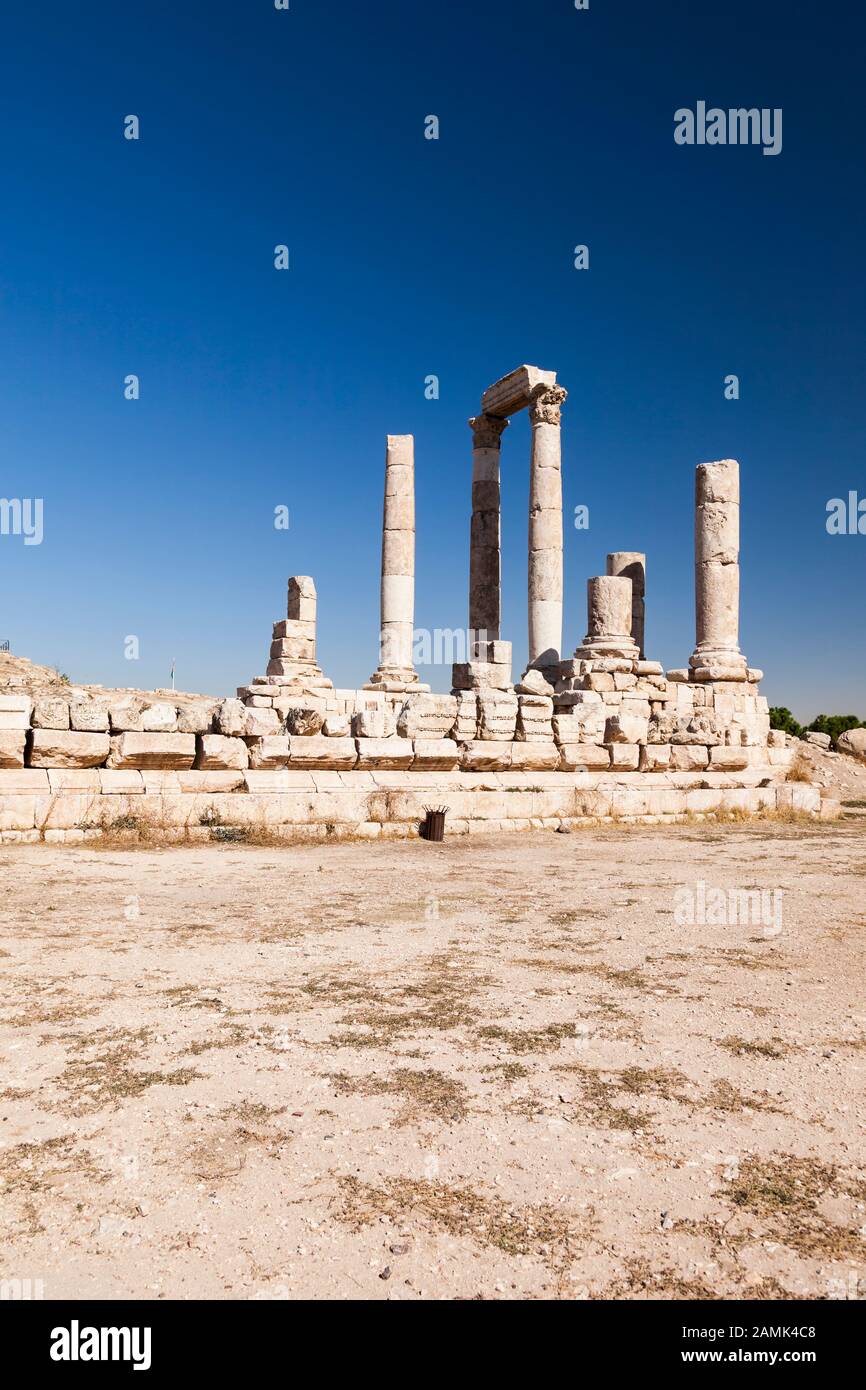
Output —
(631, 564)
(717, 654)
(395, 670)
(484, 549)
(545, 527)
(609, 606)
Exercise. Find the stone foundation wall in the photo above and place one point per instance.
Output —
(77, 804)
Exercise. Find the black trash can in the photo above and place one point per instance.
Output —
(434, 825)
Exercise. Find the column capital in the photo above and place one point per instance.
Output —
(546, 403)
(487, 430)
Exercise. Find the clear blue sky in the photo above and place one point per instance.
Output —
(411, 257)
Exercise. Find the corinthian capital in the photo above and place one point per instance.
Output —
(487, 430)
(545, 404)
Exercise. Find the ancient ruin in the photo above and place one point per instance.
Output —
(604, 732)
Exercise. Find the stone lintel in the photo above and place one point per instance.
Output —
(514, 391)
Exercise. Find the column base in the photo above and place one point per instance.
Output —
(396, 680)
(615, 644)
(716, 664)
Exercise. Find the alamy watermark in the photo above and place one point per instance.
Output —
(736, 126)
(846, 517)
(22, 516)
(701, 905)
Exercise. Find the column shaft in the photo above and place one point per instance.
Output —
(484, 537)
(631, 564)
(545, 527)
(717, 567)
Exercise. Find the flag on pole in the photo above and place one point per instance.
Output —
(172, 672)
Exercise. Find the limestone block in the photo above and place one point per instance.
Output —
(74, 779)
(486, 755)
(15, 711)
(686, 757)
(534, 683)
(295, 628)
(230, 718)
(262, 722)
(776, 738)
(195, 719)
(701, 728)
(125, 717)
(514, 391)
(729, 759)
(466, 722)
(12, 743)
(592, 757)
(384, 752)
(63, 748)
(624, 757)
(88, 716)
(50, 712)
(269, 751)
(337, 726)
(535, 756)
(20, 781)
(655, 757)
(583, 723)
(301, 599)
(17, 812)
(780, 757)
(534, 719)
(302, 714)
(626, 728)
(303, 722)
(497, 716)
(378, 723)
(198, 783)
(315, 752)
(481, 675)
(159, 719)
(220, 754)
(435, 754)
(152, 750)
(293, 649)
(495, 651)
(119, 783)
(429, 716)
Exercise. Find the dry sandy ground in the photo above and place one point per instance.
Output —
(493, 1068)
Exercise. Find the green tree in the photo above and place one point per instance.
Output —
(782, 718)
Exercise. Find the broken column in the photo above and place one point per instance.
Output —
(292, 667)
(545, 528)
(484, 543)
(631, 564)
(395, 671)
(717, 654)
(609, 606)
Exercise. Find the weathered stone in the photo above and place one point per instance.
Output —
(262, 722)
(230, 718)
(729, 759)
(485, 756)
(270, 751)
(337, 726)
(159, 719)
(50, 712)
(655, 757)
(304, 722)
(853, 742)
(819, 740)
(301, 599)
(385, 753)
(497, 716)
(195, 719)
(533, 683)
(152, 750)
(591, 757)
(434, 753)
(687, 757)
(62, 748)
(12, 743)
(625, 728)
(220, 754)
(125, 717)
(312, 752)
(88, 716)
(427, 716)
(15, 711)
(624, 757)
(295, 627)
(378, 723)
(534, 756)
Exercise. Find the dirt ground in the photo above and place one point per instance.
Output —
(503, 1067)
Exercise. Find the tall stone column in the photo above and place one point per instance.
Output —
(717, 654)
(397, 595)
(631, 564)
(608, 619)
(545, 527)
(484, 544)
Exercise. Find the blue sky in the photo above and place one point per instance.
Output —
(412, 257)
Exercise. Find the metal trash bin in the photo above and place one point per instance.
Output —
(433, 827)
